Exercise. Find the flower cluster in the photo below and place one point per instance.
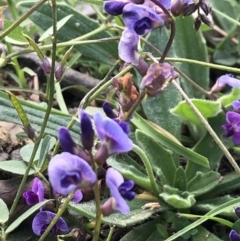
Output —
(140, 17)
(233, 235)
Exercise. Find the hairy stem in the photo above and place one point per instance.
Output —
(208, 127)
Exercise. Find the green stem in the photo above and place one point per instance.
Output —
(97, 204)
(21, 19)
(64, 44)
(148, 167)
(48, 111)
(58, 215)
(208, 127)
(13, 10)
(103, 87)
(84, 102)
(110, 233)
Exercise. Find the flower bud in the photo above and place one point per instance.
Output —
(46, 66)
(205, 7)
(206, 20)
(237, 211)
(197, 23)
(59, 71)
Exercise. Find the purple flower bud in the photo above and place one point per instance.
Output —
(108, 110)
(30, 132)
(87, 135)
(68, 172)
(119, 190)
(205, 7)
(232, 127)
(59, 71)
(158, 76)
(42, 220)
(236, 105)
(114, 7)
(188, 9)
(178, 6)
(197, 23)
(234, 236)
(112, 135)
(237, 211)
(206, 20)
(35, 195)
(46, 66)
(77, 196)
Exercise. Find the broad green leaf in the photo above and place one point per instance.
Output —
(4, 212)
(25, 215)
(190, 44)
(131, 170)
(160, 158)
(136, 215)
(180, 202)
(180, 180)
(145, 232)
(203, 182)
(163, 139)
(202, 232)
(219, 209)
(16, 34)
(157, 108)
(49, 31)
(206, 107)
(227, 99)
(224, 57)
(45, 146)
(36, 113)
(75, 27)
(16, 167)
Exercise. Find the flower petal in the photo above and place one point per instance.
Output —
(77, 196)
(140, 18)
(66, 140)
(234, 236)
(114, 7)
(166, 3)
(232, 117)
(31, 197)
(67, 172)
(229, 80)
(236, 138)
(127, 48)
(236, 104)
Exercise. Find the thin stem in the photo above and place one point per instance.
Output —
(110, 233)
(208, 127)
(84, 102)
(104, 86)
(48, 111)
(148, 167)
(58, 215)
(21, 19)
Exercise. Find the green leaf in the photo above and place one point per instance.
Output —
(190, 44)
(36, 113)
(202, 232)
(4, 212)
(145, 232)
(180, 180)
(77, 26)
(163, 139)
(26, 151)
(227, 99)
(219, 209)
(130, 169)
(203, 182)
(160, 158)
(185, 201)
(16, 34)
(206, 107)
(136, 215)
(49, 31)
(25, 215)
(157, 108)
(17, 167)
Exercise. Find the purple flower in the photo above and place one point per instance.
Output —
(35, 195)
(42, 220)
(114, 7)
(234, 236)
(87, 134)
(68, 172)
(120, 191)
(237, 211)
(77, 196)
(236, 105)
(66, 140)
(232, 127)
(140, 19)
(127, 48)
(112, 135)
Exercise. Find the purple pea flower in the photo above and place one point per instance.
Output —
(237, 211)
(234, 236)
(236, 105)
(141, 19)
(35, 195)
(42, 220)
(68, 172)
(113, 138)
(120, 190)
(77, 197)
(114, 7)
(232, 127)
